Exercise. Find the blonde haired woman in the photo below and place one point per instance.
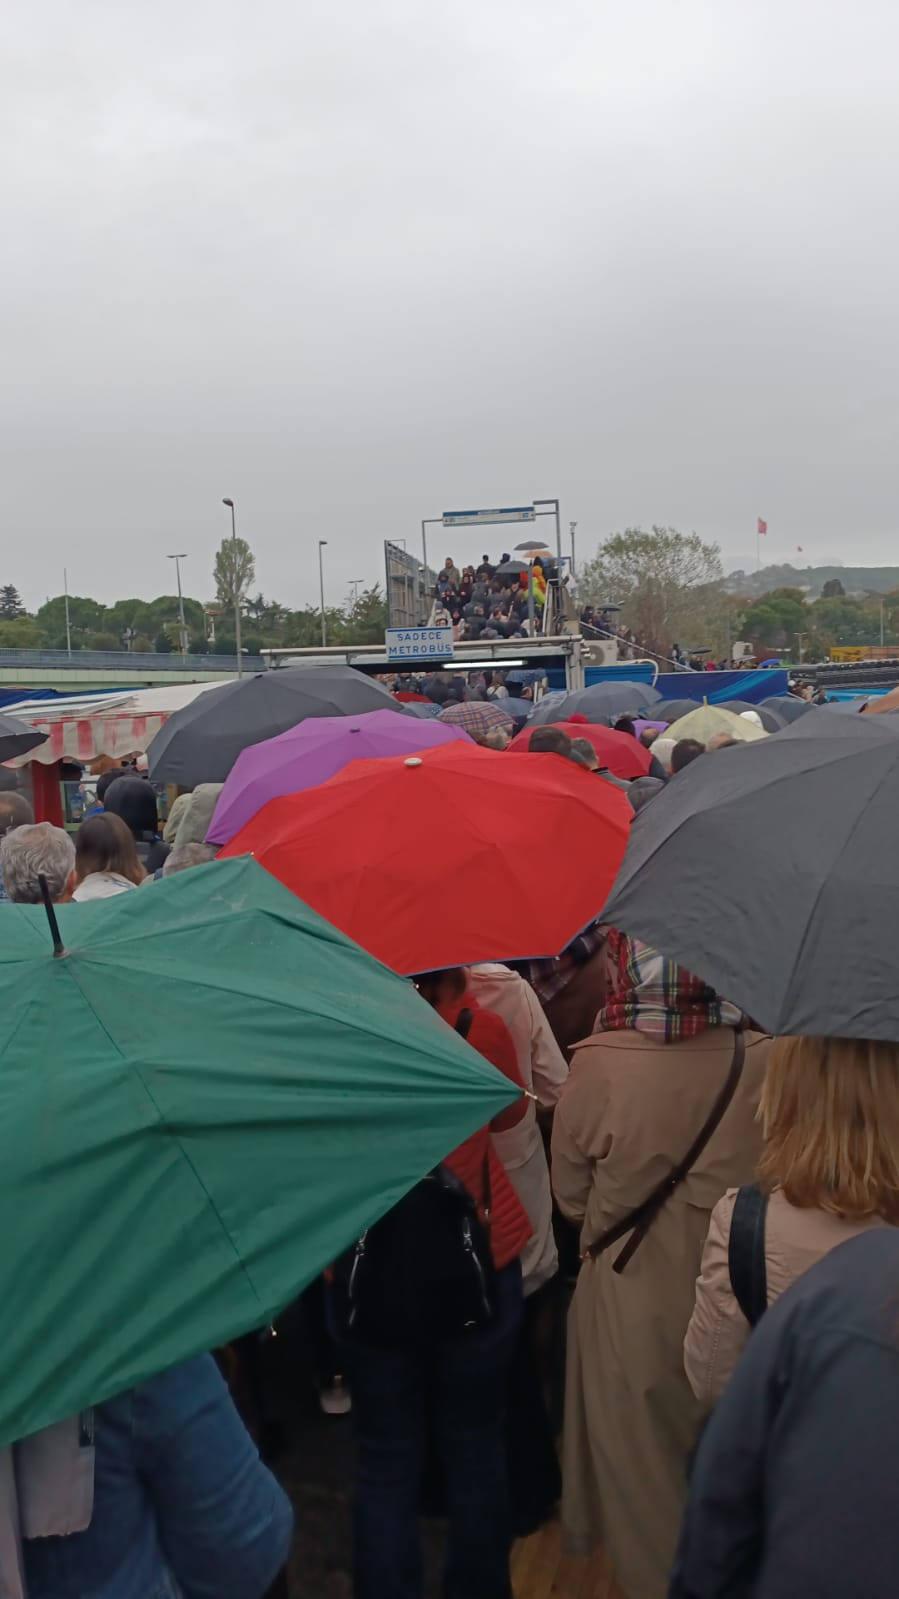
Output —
(829, 1170)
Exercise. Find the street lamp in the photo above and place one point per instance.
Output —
(322, 544)
(230, 504)
(181, 622)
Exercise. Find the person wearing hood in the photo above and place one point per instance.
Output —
(134, 801)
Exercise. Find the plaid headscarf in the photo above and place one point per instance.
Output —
(656, 996)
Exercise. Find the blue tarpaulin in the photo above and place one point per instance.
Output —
(719, 687)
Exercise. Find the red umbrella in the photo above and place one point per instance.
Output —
(453, 856)
(623, 754)
(406, 697)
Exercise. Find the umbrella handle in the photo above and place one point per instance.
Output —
(58, 946)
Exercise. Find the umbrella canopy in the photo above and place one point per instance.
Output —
(704, 721)
(772, 872)
(623, 755)
(17, 738)
(787, 706)
(310, 754)
(673, 710)
(432, 861)
(770, 720)
(883, 703)
(424, 710)
(201, 743)
(477, 716)
(600, 702)
(511, 568)
(215, 1092)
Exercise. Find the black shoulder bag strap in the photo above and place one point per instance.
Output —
(638, 1221)
(746, 1253)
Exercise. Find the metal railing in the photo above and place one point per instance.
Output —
(128, 661)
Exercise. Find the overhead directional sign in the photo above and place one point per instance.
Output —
(505, 513)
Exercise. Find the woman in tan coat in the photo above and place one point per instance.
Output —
(829, 1170)
(639, 1093)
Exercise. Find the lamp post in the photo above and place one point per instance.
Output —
(181, 622)
(230, 504)
(322, 544)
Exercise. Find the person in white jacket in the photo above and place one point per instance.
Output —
(534, 1476)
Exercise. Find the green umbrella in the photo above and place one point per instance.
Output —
(202, 1102)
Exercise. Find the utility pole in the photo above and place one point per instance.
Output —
(65, 581)
(182, 625)
(572, 526)
(322, 544)
(799, 637)
(230, 503)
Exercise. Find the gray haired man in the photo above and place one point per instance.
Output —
(29, 853)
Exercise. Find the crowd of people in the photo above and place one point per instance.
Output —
(495, 600)
(668, 1169)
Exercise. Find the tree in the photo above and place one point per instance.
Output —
(162, 643)
(655, 578)
(11, 607)
(85, 616)
(21, 634)
(776, 618)
(363, 622)
(833, 589)
(234, 572)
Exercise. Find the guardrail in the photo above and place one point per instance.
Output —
(128, 661)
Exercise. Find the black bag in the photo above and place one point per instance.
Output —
(425, 1271)
(746, 1253)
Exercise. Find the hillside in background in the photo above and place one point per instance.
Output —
(855, 579)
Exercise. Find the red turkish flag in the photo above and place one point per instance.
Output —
(762, 528)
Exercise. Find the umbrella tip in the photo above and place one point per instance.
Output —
(58, 947)
(413, 760)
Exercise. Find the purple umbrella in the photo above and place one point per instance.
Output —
(311, 753)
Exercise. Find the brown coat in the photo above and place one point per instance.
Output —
(628, 1114)
(794, 1240)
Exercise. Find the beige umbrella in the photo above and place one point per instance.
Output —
(707, 720)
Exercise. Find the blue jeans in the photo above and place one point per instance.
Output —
(458, 1388)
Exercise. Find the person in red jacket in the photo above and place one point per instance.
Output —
(451, 1389)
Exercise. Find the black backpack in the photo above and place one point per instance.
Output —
(746, 1253)
(425, 1271)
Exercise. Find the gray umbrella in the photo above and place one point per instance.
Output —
(511, 568)
(788, 706)
(600, 702)
(200, 743)
(771, 870)
(17, 738)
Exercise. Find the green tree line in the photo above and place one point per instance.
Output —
(138, 624)
(671, 590)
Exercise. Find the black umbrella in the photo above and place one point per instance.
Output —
(17, 738)
(771, 871)
(673, 710)
(600, 702)
(511, 568)
(788, 706)
(200, 743)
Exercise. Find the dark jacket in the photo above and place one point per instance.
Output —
(793, 1495)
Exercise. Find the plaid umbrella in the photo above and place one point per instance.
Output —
(477, 716)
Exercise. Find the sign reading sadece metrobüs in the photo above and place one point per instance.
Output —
(419, 643)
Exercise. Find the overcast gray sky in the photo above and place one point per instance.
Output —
(356, 264)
